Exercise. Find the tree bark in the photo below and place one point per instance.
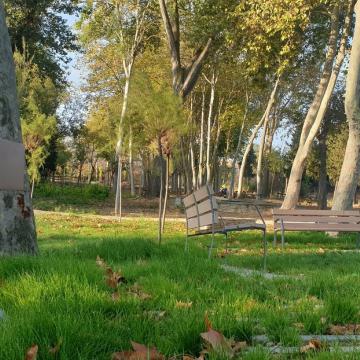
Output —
(237, 150)
(131, 169)
(17, 224)
(161, 190)
(350, 170)
(201, 149)
(209, 125)
(310, 129)
(184, 77)
(259, 190)
(322, 190)
(166, 193)
(246, 154)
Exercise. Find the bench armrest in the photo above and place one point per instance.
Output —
(258, 211)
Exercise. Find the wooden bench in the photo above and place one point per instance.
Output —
(315, 220)
(202, 218)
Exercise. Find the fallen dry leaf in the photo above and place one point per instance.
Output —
(183, 305)
(31, 353)
(218, 343)
(312, 345)
(55, 349)
(136, 291)
(113, 278)
(140, 352)
(115, 296)
(349, 329)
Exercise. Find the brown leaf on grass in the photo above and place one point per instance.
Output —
(312, 345)
(115, 296)
(189, 357)
(55, 349)
(113, 278)
(217, 342)
(183, 304)
(140, 352)
(136, 291)
(31, 353)
(101, 262)
(348, 329)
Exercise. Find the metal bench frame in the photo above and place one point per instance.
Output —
(315, 220)
(201, 211)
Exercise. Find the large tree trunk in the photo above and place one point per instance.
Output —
(259, 190)
(350, 171)
(310, 129)
(17, 225)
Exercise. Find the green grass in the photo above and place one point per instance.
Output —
(83, 198)
(61, 294)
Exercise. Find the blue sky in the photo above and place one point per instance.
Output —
(74, 73)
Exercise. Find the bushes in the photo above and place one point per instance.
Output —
(78, 193)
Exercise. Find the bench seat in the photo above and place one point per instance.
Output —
(315, 220)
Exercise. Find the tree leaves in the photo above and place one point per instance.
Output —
(31, 353)
(140, 352)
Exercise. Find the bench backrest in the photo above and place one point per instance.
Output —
(317, 216)
(201, 208)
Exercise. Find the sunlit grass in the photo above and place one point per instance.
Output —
(61, 294)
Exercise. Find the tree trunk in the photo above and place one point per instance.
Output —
(259, 190)
(210, 115)
(237, 151)
(245, 156)
(310, 130)
(350, 171)
(201, 150)
(322, 190)
(118, 197)
(161, 190)
(131, 170)
(17, 225)
(166, 193)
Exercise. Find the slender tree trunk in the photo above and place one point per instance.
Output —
(161, 190)
(201, 150)
(118, 197)
(322, 191)
(259, 190)
(215, 153)
(32, 188)
(208, 139)
(350, 171)
(166, 193)
(17, 225)
(237, 151)
(310, 130)
(245, 156)
(131, 169)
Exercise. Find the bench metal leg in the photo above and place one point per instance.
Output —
(265, 250)
(187, 243)
(212, 244)
(282, 235)
(275, 237)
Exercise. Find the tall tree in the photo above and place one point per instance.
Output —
(350, 170)
(17, 225)
(331, 69)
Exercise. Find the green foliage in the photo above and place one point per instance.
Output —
(84, 192)
(38, 102)
(42, 27)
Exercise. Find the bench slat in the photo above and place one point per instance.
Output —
(205, 206)
(319, 219)
(189, 201)
(202, 193)
(279, 212)
(203, 220)
(318, 227)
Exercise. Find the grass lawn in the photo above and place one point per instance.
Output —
(61, 295)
